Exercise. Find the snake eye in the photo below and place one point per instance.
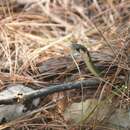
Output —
(75, 47)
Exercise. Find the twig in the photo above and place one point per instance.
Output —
(88, 84)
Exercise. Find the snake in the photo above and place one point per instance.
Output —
(84, 53)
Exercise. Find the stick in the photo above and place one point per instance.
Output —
(88, 84)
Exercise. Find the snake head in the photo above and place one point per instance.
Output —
(78, 47)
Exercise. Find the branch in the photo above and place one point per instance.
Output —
(88, 84)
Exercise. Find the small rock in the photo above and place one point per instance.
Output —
(10, 112)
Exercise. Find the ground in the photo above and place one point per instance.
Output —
(35, 51)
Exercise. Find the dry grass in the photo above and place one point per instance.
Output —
(44, 30)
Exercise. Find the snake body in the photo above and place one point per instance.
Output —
(83, 51)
